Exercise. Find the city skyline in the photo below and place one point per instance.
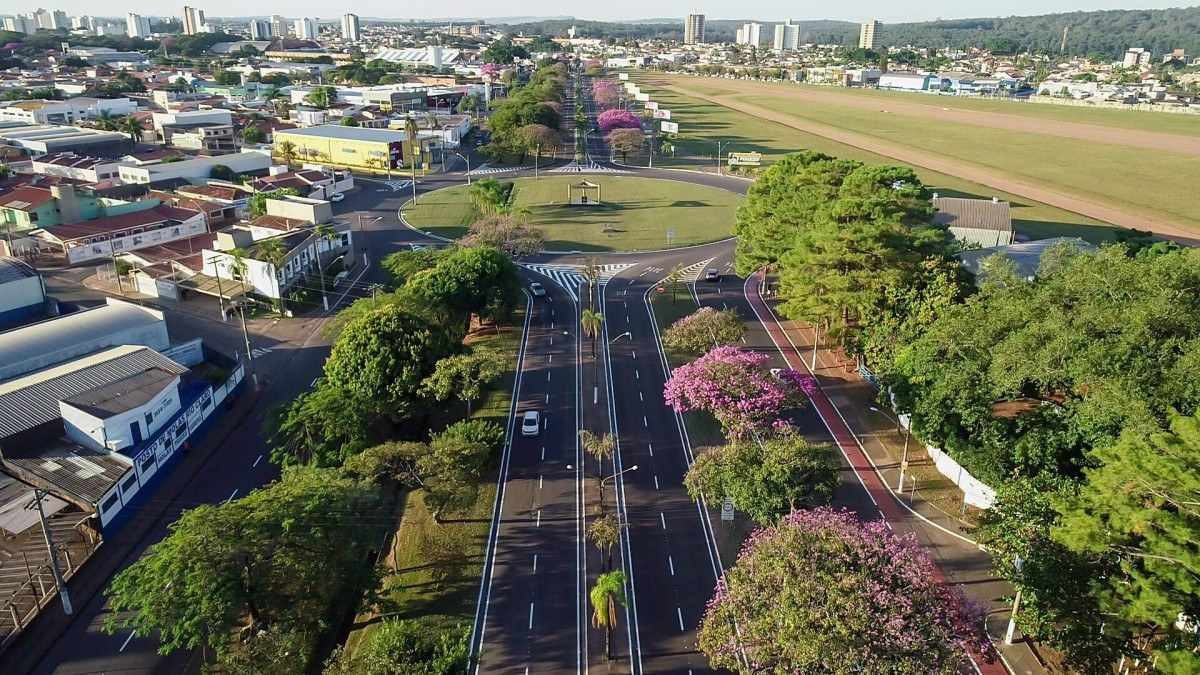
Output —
(769, 12)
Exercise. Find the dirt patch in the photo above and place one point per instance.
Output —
(965, 170)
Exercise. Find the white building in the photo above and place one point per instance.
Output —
(306, 29)
(787, 37)
(71, 165)
(750, 34)
(137, 26)
(20, 23)
(869, 33)
(70, 111)
(260, 30)
(693, 29)
(350, 28)
(22, 292)
(278, 26)
(196, 168)
(1136, 57)
(193, 20)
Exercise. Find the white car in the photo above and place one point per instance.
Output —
(336, 197)
(712, 274)
(537, 289)
(531, 423)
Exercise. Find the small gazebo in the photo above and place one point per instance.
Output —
(579, 194)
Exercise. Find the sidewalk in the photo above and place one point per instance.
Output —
(874, 448)
(24, 653)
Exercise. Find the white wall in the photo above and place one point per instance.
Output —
(191, 227)
(195, 168)
(94, 432)
(21, 293)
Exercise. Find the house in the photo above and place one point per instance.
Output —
(57, 201)
(105, 237)
(975, 222)
(307, 183)
(1026, 257)
(78, 167)
(209, 131)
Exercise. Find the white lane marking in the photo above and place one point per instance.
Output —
(644, 422)
(539, 481)
(539, 518)
(635, 355)
(651, 446)
(662, 519)
(547, 375)
(595, 395)
(545, 423)
(547, 397)
(637, 375)
(543, 452)
(671, 563)
(535, 562)
(679, 613)
(231, 496)
(656, 482)
(640, 397)
(126, 642)
(531, 618)
(744, 340)
(549, 358)
(256, 462)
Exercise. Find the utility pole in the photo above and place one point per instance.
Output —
(220, 291)
(38, 495)
(246, 336)
(116, 272)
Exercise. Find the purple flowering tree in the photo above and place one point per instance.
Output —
(823, 592)
(733, 386)
(606, 94)
(617, 119)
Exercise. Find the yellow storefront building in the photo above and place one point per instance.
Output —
(357, 148)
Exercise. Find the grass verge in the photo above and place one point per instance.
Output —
(634, 213)
(433, 568)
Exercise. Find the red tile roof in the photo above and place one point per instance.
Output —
(111, 224)
(25, 197)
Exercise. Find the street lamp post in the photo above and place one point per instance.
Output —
(907, 436)
(625, 334)
(468, 161)
(241, 307)
(607, 479)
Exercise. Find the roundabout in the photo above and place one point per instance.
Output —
(594, 212)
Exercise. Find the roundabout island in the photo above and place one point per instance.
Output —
(590, 212)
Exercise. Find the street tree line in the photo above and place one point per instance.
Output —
(1074, 393)
(528, 120)
(254, 582)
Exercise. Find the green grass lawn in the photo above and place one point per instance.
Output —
(1167, 123)
(635, 213)
(434, 568)
(703, 121)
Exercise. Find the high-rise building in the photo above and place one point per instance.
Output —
(868, 34)
(260, 30)
(20, 23)
(44, 18)
(693, 29)
(350, 27)
(750, 34)
(193, 20)
(306, 29)
(278, 26)
(137, 26)
(59, 19)
(787, 36)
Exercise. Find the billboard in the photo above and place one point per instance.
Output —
(642, 97)
(670, 127)
(662, 114)
(651, 105)
(745, 159)
(622, 76)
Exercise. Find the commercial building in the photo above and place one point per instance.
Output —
(260, 30)
(195, 169)
(1136, 57)
(70, 111)
(110, 57)
(907, 81)
(193, 20)
(41, 139)
(869, 33)
(137, 26)
(433, 55)
(20, 23)
(787, 37)
(352, 147)
(207, 130)
(78, 167)
(693, 29)
(306, 29)
(350, 28)
(22, 292)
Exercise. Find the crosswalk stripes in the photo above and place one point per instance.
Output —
(397, 185)
(493, 170)
(590, 167)
(571, 277)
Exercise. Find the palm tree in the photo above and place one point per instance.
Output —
(604, 533)
(601, 447)
(287, 151)
(591, 272)
(524, 212)
(239, 265)
(674, 279)
(132, 126)
(325, 233)
(606, 595)
(273, 252)
(591, 321)
(105, 121)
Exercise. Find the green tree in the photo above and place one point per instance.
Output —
(606, 595)
(604, 533)
(600, 447)
(626, 141)
(132, 126)
(465, 376)
(404, 265)
(382, 358)
(457, 458)
(414, 647)
(766, 478)
(253, 134)
(704, 329)
(349, 122)
(228, 577)
(591, 322)
(478, 280)
(491, 197)
(222, 172)
(286, 151)
(321, 427)
(257, 203)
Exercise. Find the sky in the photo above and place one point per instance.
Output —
(765, 10)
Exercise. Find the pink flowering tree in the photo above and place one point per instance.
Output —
(733, 386)
(606, 94)
(617, 119)
(823, 592)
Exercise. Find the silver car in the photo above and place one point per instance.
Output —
(531, 423)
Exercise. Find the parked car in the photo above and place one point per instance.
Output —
(336, 197)
(711, 274)
(531, 423)
(537, 289)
